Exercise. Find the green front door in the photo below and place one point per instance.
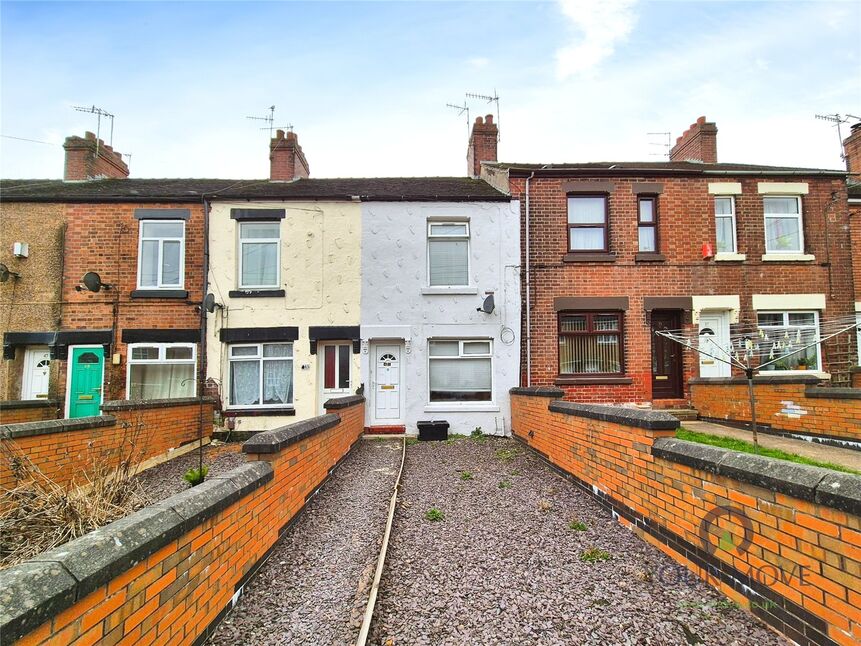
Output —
(85, 387)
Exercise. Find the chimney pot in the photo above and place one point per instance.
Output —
(279, 134)
(852, 153)
(489, 119)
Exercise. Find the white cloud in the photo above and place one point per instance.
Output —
(599, 27)
(478, 62)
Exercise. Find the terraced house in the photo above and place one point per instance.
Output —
(615, 251)
(119, 297)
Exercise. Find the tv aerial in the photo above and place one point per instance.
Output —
(270, 120)
(5, 272)
(494, 98)
(462, 109)
(99, 112)
(667, 146)
(92, 282)
(838, 119)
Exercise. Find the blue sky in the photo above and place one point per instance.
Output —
(365, 84)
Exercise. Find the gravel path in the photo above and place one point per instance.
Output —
(314, 587)
(166, 479)
(504, 567)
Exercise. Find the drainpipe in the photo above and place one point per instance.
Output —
(201, 358)
(528, 299)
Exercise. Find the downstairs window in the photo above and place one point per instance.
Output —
(161, 371)
(460, 371)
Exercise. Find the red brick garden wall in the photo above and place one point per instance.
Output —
(802, 568)
(791, 405)
(178, 591)
(68, 450)
(16, 412)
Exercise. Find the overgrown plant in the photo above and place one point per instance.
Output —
(477, 435)
(39, 513)
(577, 525)
(594, 555)
(195, 476)
(466, 475)
(433, 514)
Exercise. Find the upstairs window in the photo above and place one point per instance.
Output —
(647, 223)
(448, 254)
(587, 223)
(460, 371)
(725, 231)
(161, 255)
(590, 343)
(161, 371)
(259, 255)
(783, 229)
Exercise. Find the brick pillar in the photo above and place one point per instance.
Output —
(88, 157)
(286, 159)
(852, 152)
(697, 143)
(482, 144)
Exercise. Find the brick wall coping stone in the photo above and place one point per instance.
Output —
(134, 404)
(833, 393)
(648, 419)
(34, 591)
(344, 402)
(757, 379)
(26, 429)
(17, 404)
(537, 391)
(280, 438)
(815, 484)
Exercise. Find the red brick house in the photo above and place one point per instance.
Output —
(614, 251)
(852, 152)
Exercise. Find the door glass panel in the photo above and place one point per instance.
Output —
(88, 357)
(343, 366)
(329, 367)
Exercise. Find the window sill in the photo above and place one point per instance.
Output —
(466, 407)
(575, 381)
(160, 293)
(788, 257)
(649, 256)
(589, 257)
(258, 412)
(256, 293)
(453, 291)
(726, 256)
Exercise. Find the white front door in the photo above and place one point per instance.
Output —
(37, 367)
(714, 344)
(387, 383)
(335, 360)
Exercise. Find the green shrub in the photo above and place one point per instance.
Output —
(594, 555)
(196, 476)
(433, 514)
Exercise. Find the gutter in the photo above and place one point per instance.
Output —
(641, 172)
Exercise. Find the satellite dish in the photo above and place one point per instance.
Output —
(93, 282)
(487, 306)
(5, 273)
(209, 303)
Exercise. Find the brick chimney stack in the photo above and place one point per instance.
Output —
(286, 159)
(90, 158)
(482, 144)
(698, 143)
(852, 152)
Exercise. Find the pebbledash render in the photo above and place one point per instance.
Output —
(619, 250)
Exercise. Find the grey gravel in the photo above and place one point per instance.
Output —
(504, 567)
(314, 587)
(166, 479)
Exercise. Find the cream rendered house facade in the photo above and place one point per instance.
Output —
(286, 276)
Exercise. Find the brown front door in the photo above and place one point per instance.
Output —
(666, 356)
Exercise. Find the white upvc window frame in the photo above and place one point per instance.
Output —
(275, 241)
(462, 355)
(261, 359)
(799, 216)
(466, 236)
(819, 369)
(732, 218)
(162, 358)
(159, 282)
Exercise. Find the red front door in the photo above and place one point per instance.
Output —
(666, 356)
